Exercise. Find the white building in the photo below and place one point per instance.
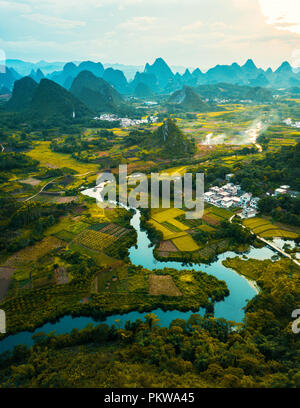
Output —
(279, 191)
(249, 212)
(245, 198)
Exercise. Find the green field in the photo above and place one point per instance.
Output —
(47, 158)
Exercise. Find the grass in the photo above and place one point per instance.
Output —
(64, 235)
(46, 157)
(185, 243)
(112, 280)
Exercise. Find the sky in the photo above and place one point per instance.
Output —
(192, 33)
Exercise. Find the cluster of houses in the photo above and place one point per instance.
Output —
(125, 122)
(231, 196)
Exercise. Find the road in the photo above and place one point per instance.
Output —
(42, 189)
(52, 181)
(84, 174)
(271, 244)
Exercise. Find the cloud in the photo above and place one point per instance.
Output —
(193, 26)
(53, 21)
(138, 24)
(283, 14)
(8, 6)
(191, 33)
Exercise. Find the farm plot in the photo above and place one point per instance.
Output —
(266, 229)
(220, 212)
(213, 248)
(192, 223)
(167, 233)
(167, 214)
(205, 228)
(185, 243)
(46, 157)
(279, 233)
(211, 219)
(32, 253)
(31, 181)
(179, 225)
(162, 285)
(167, 246)
(255, 222)
(114, 229)
(95, 240)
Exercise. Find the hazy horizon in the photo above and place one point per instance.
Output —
(174, 68)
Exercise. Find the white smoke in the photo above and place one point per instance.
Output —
(248, 136)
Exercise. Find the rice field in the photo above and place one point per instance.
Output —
(206, 228)
(185, 243)
(47, 158)
(167, 233)
(178, 224)
(220, 212)
(266, 229)
(166, 215)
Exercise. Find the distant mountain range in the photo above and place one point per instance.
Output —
(156, 78)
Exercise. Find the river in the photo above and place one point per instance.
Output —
(241, 290)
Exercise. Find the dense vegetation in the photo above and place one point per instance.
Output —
(199, 352)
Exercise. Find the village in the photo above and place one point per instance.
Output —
(231, 195)
(126, 122)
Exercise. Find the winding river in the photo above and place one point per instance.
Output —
(241, 290)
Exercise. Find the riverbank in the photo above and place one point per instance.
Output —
(100, 305)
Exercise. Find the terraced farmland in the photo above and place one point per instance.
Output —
(266, 229)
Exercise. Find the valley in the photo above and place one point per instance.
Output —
(65, 262)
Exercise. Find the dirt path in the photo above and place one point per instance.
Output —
(42, 189)
(52, 181)
(84, 174)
